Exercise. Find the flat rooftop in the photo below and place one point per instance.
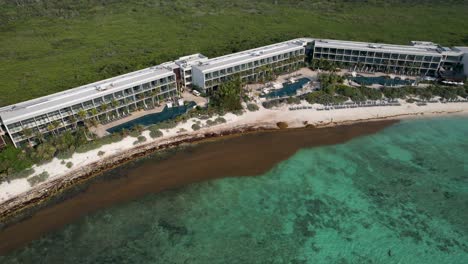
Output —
(250, 55)
(45, 104)
(419, 47)
(190, 60)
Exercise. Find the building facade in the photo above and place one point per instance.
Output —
(252, 65)
(420, 58)
(103, 101)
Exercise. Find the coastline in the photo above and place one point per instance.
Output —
(91, 164)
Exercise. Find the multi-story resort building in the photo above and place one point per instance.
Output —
(101, 100)
(251, 65)
(420, 58)
(112, 98)
(186, 63)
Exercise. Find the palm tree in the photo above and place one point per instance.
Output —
(104, 108)
(56, 125)
(73, 120)
(27, 132)
(93, 112)
(39, 136)
(51, 128)
(154, 93)
(115, 104)
(82, 114)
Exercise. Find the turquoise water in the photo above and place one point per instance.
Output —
(386, 81)
(289, 89)
(400, 196)
(149, 119)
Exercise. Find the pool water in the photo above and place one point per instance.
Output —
(149, 119)
(382, 80)
(288, 89)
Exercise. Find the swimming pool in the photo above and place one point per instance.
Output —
(382, 80)
(150, 119)
(288, 89)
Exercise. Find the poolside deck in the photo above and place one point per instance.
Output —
(101, 130)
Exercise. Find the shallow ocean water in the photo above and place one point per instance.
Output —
(399, 196)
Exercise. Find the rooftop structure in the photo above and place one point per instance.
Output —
(417, 47)
(249, 64)
(42, 105)
(420, 58)
(250, 55)
(186, 64)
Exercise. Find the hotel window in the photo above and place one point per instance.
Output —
(427, 58)
(386, 55)
(410, 57)
(325, 50)
(402, 57)
(355, 52)
(378, 54)
(237, 68)
(318, 49)
(348, 52)
(362, 53)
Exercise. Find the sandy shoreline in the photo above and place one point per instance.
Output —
(18, 195)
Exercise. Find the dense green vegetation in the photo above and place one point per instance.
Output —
(47, 46)
(228, 96)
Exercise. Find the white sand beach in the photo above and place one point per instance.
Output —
(261, 118)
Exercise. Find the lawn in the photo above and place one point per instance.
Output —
(50, 46)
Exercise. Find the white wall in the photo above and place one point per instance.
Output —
(198, 77)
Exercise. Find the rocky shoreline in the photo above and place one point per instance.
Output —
(49, 189)
(41, 193)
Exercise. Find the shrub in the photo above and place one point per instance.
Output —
(63, 162)
(238, 112)
(220, 120)
(20, 175)
(252, 107)
(155, 132)
(293, 100)
(66, 154)
(210, 122)
(101, 153)
(135, 133)
(69, 164)
(195, 127)
(141, 139)
(271, 104)
(34, 180)
(166, 124)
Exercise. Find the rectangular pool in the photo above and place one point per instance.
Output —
(150, 119)
(289, 89)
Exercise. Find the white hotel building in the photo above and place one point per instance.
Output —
(251, 65)
(111, 98)
(421, 58)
